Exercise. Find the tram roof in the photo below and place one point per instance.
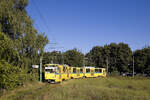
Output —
(89, 67)
(51, 64)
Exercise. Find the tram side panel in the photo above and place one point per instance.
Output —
(92, 71)
(81, 72)
(75, 72)
(96, 72)
(87, 72)
(78, 72)
(68, 73)
(59, 74)
(64, 73)
(102, 72)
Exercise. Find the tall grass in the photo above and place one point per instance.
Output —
(111, 88)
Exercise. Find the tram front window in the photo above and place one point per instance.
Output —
(50, 70)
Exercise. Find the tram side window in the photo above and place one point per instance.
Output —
(100, 70)
(81, 70)
(74, 70)
(96, 70)
(87, 70)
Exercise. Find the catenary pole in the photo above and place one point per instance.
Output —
(133, 65)
(41, 68)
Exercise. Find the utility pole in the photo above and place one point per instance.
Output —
(107, 64)
(133, 65)
(84, 61)
(62, 57)
(41, 68)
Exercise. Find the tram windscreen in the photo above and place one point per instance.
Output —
(100, 70)
(50, 70)
(97, 70)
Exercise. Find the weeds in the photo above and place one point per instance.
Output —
(112, 88)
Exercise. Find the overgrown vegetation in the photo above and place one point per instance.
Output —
(20, 43)
(111, 88)
(12, 76)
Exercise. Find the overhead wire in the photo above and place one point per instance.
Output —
(45, 25)
(42, 18)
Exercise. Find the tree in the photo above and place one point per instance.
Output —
(18, 27)
(20, 43)
(7, 51)
(142, 58)
(14, 20)
(74, 58)
(124, 57)
(95, 57)
(53, 57)
(116, 56)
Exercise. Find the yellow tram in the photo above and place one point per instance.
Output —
(58, 73)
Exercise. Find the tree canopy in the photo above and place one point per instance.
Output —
(73, 58)
(18, 35)
(142, 60)
(53, 57)
(118, 57)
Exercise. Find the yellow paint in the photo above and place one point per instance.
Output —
(75, 72)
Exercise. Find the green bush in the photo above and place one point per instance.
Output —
(11, 76)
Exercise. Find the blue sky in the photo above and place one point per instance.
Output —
(83, 24)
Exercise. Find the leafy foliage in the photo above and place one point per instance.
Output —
(118, 56)
(142, 60)
(95, 56)
(74, 58)
(7, 50)
(53, 57)
(11, 76)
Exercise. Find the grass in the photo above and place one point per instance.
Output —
(111, 88)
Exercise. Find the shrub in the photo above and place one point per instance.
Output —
(11, 76)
